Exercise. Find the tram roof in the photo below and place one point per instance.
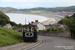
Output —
(29, 26)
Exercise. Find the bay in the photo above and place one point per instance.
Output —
(20, 18)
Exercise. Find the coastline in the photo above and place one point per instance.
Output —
(43, 15)
(48, 16)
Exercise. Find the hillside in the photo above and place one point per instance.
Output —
(7, 9)
(8, 37)
(57, 9)
(3, 18)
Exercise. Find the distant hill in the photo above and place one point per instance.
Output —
(58, 9)
(7, 9)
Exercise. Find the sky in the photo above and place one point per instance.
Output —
(26, 4)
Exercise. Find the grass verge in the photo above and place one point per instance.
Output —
(9, 37)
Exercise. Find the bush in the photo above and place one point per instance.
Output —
(41, 30)
(55, 29)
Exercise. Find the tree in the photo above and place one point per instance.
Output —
(72, 24)
(67, 16)
(13, 23)
(69, 22)
(65, 21)
(19, 25)
(73, 15)
(72, 27)
(4, 16)
(2, 22)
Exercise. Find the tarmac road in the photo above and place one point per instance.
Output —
(55, 43)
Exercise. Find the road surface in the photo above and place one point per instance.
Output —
(48, 43)
(55, 43)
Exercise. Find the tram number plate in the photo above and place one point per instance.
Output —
(29, 34)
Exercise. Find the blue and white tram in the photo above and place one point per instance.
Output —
(30, 33)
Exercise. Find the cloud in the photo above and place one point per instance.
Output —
(36, 3)
(21, 5)
(40, 1)
(34, 0)
(18, 0)
(26, 0)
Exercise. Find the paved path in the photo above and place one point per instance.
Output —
(55, 43)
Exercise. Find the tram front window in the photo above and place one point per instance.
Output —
(29, 28)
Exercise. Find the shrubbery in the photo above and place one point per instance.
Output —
(41, 30)
(69, 21)
(53, 29)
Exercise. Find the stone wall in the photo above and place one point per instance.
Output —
(58, 34)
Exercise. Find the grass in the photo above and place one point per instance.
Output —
(9, 37)
(35, 12)
(38, 12)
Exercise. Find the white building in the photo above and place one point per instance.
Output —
(8, 26)
(39, 25)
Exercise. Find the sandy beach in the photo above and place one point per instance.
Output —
(53, 19)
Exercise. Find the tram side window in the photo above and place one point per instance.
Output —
(26, 29)
(34, 28)
(29, 28)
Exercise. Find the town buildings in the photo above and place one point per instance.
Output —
(46, 25)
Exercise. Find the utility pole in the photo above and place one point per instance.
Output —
(25, 21)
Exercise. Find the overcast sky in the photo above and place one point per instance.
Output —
(21, 4)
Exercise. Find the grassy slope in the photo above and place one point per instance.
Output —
(8, 37)
(37, 12)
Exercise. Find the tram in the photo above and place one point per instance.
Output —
(30, 33)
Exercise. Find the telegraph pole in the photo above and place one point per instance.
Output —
(25, 21)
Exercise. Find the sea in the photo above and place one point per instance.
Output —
(25, 18)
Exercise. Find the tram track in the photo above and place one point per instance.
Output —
(33, 46)
(21, 46)
(26, 46)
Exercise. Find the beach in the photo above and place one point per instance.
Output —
(52, 19)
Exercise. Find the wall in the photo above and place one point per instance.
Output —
(58, 34)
